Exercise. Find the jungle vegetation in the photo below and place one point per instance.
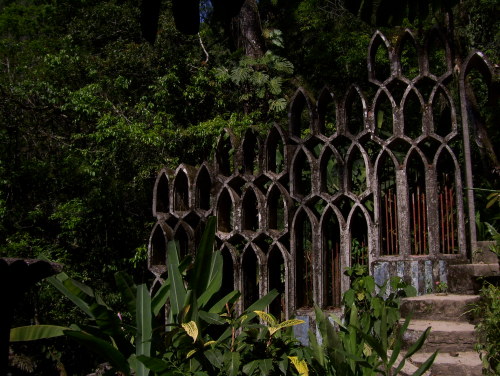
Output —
(95, 98)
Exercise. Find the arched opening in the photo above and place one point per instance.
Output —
(182, 239)
(331, 260)
(441, 114)
(380, 59)
(158, 247)
(409, 57)
(357, 172)
(304, 255)
(225, 212)
(203, 189)
(436, 53)
(300, 116)
(251, 277)
(388, 216)
(447, 204)
(330, 173)
(276, 209)
(275, 152)
(327, 112)
(412, 115)
(302, 174)
(250, 211)
(223, 154)
(383, 116)
(354, 112)
(277, 279)
(162, 195)
(181, 192)
(251, 151)
(418, 205)
(359, 238)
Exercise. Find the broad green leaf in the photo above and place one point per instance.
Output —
(160, 298)
(249, 368)
(177, 289)
(228, 299)
(232, 363)
(399, 342)
(214, 279)
(265, 366)
(103, 349)
(57, 282)
(260, 304)
(215, 357)
(200, 275)
(211, 318)
(34, 332)
(191, 329)
(144, 327)
(374, 344)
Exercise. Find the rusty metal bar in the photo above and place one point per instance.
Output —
(452, 204)
(424, 230)
(414, 223)
(441, 224)
(447, 212)
(395, 219)
(387, 251)
(391, 224)
(419, 221)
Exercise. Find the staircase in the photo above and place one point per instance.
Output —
(449, 316)
(452, 333)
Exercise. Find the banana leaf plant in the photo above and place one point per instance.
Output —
(188, 292)
(181, 344)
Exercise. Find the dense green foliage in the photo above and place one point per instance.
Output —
(90, 111)
(489, 328)
(204, 335)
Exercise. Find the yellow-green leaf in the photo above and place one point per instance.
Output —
(285, 324)
(191, 329)
(300, 365)
(266, 317)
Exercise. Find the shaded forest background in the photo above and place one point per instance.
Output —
(92, 106)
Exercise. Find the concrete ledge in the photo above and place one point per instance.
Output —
(465, 278)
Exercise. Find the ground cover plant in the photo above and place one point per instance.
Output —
(185, 328)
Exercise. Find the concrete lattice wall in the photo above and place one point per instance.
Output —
(373, 177)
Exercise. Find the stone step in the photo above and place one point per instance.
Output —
(451, 307)
(445, 336)
(451, 364)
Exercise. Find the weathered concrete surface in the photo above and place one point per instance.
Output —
(456, 364)
(468, 278)
(430, 307)
(445, 336)
(452, 333)
(483, 255)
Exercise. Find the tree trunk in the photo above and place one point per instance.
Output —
(246, 30)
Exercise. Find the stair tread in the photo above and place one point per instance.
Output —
(469, 358)
(449, 297)
(441, 325)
